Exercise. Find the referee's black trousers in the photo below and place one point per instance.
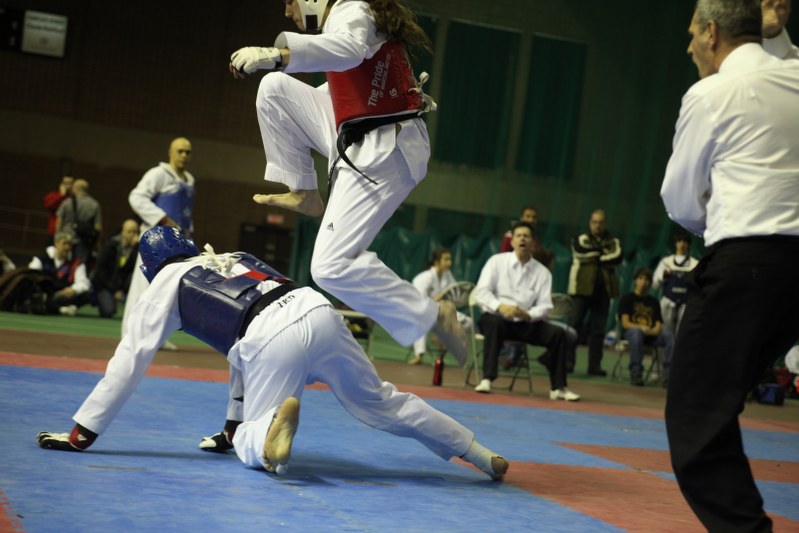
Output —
(742, 314)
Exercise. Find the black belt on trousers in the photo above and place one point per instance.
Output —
(776, 238)
(262, 303)
(354, 132)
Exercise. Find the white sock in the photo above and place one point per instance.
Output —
(480, 456)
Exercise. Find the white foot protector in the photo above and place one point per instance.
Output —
(489, 462)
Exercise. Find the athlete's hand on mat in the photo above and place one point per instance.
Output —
(215, 443)
(251, 58)
(56, 441)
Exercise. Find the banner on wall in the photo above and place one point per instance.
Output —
(33, 32)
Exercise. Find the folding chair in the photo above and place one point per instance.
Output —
(562, 305)
(522, 362)
(622, 349)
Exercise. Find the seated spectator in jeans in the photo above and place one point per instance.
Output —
(69, 275)
(514, 291)
(114, 268)
(642, 325)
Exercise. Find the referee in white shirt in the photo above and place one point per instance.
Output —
(734, 178)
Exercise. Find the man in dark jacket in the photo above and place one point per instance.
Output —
(114, 268)
(593, 282)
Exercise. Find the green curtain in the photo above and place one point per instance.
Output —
(476, 95)
(552, 108)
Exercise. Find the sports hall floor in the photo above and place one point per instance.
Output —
(597, 465)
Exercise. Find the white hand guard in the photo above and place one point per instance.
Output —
(251, 58)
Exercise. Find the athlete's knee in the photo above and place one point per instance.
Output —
(325, 274)
(273, 84)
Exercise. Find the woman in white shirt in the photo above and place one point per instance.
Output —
(432, 283)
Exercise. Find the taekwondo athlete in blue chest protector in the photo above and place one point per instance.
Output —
(278, 337)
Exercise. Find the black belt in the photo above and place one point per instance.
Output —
(264, 301)
(354, 132)
(777, 238)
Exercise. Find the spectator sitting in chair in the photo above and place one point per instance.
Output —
(432, 283)
(114, 269)
(642, 325)
(69, 275)
(514, 291)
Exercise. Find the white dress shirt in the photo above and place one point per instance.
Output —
(734, 170)
(505, 280)
(781, 46)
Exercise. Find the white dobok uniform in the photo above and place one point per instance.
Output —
(297, 339)
(294, 118)
(161, 179)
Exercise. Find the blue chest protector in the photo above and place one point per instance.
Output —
(178, 205)
(213, 308)
(675, 288)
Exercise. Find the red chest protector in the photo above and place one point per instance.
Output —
(378, 87)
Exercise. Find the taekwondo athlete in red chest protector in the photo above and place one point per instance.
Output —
(278, 337)
(366, 120)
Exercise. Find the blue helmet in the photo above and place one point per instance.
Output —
(160, 244)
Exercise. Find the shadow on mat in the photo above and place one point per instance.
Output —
(199, 454)
(307, 470)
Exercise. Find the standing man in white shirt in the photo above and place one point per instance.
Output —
(366, 120)
(514, 291)
(733, 177)
(163, 197)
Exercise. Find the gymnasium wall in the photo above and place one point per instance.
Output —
(137, 74)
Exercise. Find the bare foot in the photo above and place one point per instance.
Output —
(450, 332)
(417, 360)
(306, 202)
(279, 437)
(500, 466)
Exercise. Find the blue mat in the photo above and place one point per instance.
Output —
(147, 474)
